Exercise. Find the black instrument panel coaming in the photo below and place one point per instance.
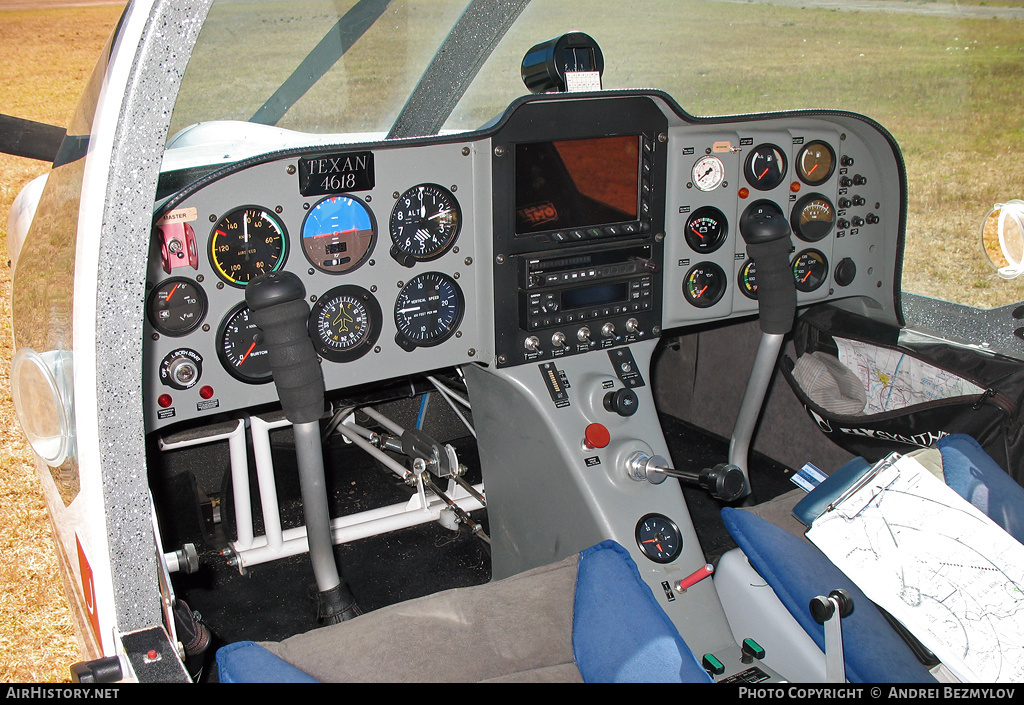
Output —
(634, 270)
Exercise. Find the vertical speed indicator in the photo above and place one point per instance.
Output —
(428, 310)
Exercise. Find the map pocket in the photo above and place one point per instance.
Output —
(873, 391)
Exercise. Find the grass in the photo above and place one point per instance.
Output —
(949, 90)
(37, 638)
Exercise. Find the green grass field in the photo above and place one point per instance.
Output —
(948, 88)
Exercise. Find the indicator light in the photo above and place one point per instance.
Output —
(744, 192)
(206, 391)
(164, 401)
(795, 187)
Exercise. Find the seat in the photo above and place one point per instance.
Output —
(588, 618)
(797, 571)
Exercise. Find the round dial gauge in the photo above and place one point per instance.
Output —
(241, 349)
(245, 243)
(428, 310)
(813, 217)
(177, 306)
(706, 229)
(748, 279)
(704, 285)
(810, 269)
(338, 234)
(765, 167)
(424, 224)
(345, 323)
(658, 538)
(707, 174)
(815, 163)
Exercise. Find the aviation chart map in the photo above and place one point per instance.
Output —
(953, 577)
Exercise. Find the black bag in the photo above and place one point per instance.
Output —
(990, 416)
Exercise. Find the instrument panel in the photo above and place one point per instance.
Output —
(575, 223)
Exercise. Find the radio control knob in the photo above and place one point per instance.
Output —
(608, 330)
(632, 325)
(532, 344)
(583, 334)
(558, 339)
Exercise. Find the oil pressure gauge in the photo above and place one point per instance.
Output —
(707, 174)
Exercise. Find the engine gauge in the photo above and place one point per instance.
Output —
(177, 306)
(748, 279)
(428, 310)
(345, 323)
(815, 163)
(338, 234)
(706, 229)
(245, 243)
(810, 269)
(707, 174)
(241, 349)
(765, 167)
(424, 224)
(813, 217)
(704, 285)
(658, 538)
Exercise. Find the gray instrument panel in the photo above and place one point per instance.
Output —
(186, 378)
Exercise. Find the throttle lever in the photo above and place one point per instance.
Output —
(279, 309)
(724, 482)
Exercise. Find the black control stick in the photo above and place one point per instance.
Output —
(766, 232)
(278, 304)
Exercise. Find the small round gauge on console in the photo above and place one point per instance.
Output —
(338, 234)
(810, 270)
(706, 229)
(428, 310)
(177, 306)
(704, 285)
(345, 323)
(707, 174)
(424, 224)
(813, 217)
(240, 347)
(747, 279)
(659, 538)
(765, 167)
(815, 163)
(247, 242)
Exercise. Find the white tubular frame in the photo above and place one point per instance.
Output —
(277, 543)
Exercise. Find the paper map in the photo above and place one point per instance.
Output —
(945, 570)
(893, 380)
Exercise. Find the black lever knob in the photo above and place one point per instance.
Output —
(278, 304)
(623, 402)
(766, 230)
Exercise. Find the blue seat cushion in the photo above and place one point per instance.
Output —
(797, 571)
(248, 662)
(972, 474)
(620, 634)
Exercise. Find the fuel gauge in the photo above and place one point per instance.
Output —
(815, 163)
(704, 285)
(765, 167)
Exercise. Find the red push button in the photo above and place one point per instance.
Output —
(596, 436)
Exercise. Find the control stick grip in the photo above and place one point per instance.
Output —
(776, 292)
(277, 301)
